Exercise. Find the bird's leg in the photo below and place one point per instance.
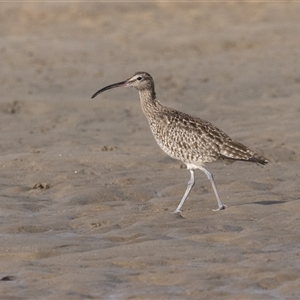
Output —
(188, 189)
(211, 179)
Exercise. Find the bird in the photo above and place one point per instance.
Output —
(189, 139)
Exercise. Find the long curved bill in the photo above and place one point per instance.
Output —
(111, 86)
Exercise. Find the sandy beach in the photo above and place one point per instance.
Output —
(87, 196)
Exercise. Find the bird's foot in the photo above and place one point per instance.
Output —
(178, 213)
(220, 207)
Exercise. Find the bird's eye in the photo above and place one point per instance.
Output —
(139, 78)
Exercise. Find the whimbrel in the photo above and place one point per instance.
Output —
(186, 138)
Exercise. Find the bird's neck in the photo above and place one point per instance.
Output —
(149, 102)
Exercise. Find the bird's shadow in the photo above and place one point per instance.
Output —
(269, 202)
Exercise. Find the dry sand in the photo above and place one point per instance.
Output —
(87, 195)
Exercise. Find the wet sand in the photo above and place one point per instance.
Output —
(86, 194)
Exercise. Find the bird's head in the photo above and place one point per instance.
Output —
(140, 81)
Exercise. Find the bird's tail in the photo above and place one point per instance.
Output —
(233, 150)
